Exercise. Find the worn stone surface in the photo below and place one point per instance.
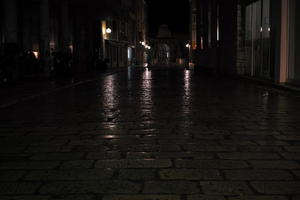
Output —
(171, 187)
(159, 134)
(137, 174)
(18, 187)
(25, 197)
(254, 174)
(205, 197)
(141, 197)
(77, 164)
(66, 175)
(83, 187)
(277, 187)
(281, 164)
(140, 163)
(11, 175)
(260, 197)
(211, 164)
(225, 188)
(189, 174)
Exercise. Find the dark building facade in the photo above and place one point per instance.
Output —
(72, 27)
(256, 38)
(168, 48)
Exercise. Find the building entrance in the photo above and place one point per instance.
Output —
(257, 38)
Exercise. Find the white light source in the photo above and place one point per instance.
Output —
(143, 43)
(108, 31)
(36, 54)
(187, 45)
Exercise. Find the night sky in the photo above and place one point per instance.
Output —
(174, 13)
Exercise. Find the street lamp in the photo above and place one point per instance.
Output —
(108, 30)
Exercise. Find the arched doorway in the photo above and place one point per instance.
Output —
(164, 54)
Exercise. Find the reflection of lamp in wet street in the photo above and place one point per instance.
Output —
(108, 30)
(188, 45)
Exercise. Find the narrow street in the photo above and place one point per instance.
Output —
(164, 133)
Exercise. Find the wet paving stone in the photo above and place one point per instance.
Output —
(25, 197)
(77, 164)
(189, 174)
(165, 133)
(248, 156)
(29, 165)
(210, 164)
(171, 187)
(97, 187)
(67, 175)
(277, 164)
(277, 187)
(254, 174)
(141, 197)
(205, 197)
(137, 174)
(225, 188)
(259, 197)
(11, 175)
(141, 163)
(18, 187)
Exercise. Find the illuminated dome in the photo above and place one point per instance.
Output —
(164, 32)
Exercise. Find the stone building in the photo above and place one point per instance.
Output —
(75, 27)
(168, 48)
(256, 38)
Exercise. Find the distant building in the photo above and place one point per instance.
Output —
(247, 37)
(124, 31)
(168, 48)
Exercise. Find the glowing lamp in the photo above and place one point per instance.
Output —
(108, 31)
(36, 54)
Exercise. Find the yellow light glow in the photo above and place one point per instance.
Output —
(104, 29)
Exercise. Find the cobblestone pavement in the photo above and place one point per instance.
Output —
(160, 134)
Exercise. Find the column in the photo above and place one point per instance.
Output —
(10, 21)
(45, 35)
(282, 76)
(65, 21)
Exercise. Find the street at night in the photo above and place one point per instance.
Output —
(149, 100)
(159, 133)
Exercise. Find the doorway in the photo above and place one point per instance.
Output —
(257, 38)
